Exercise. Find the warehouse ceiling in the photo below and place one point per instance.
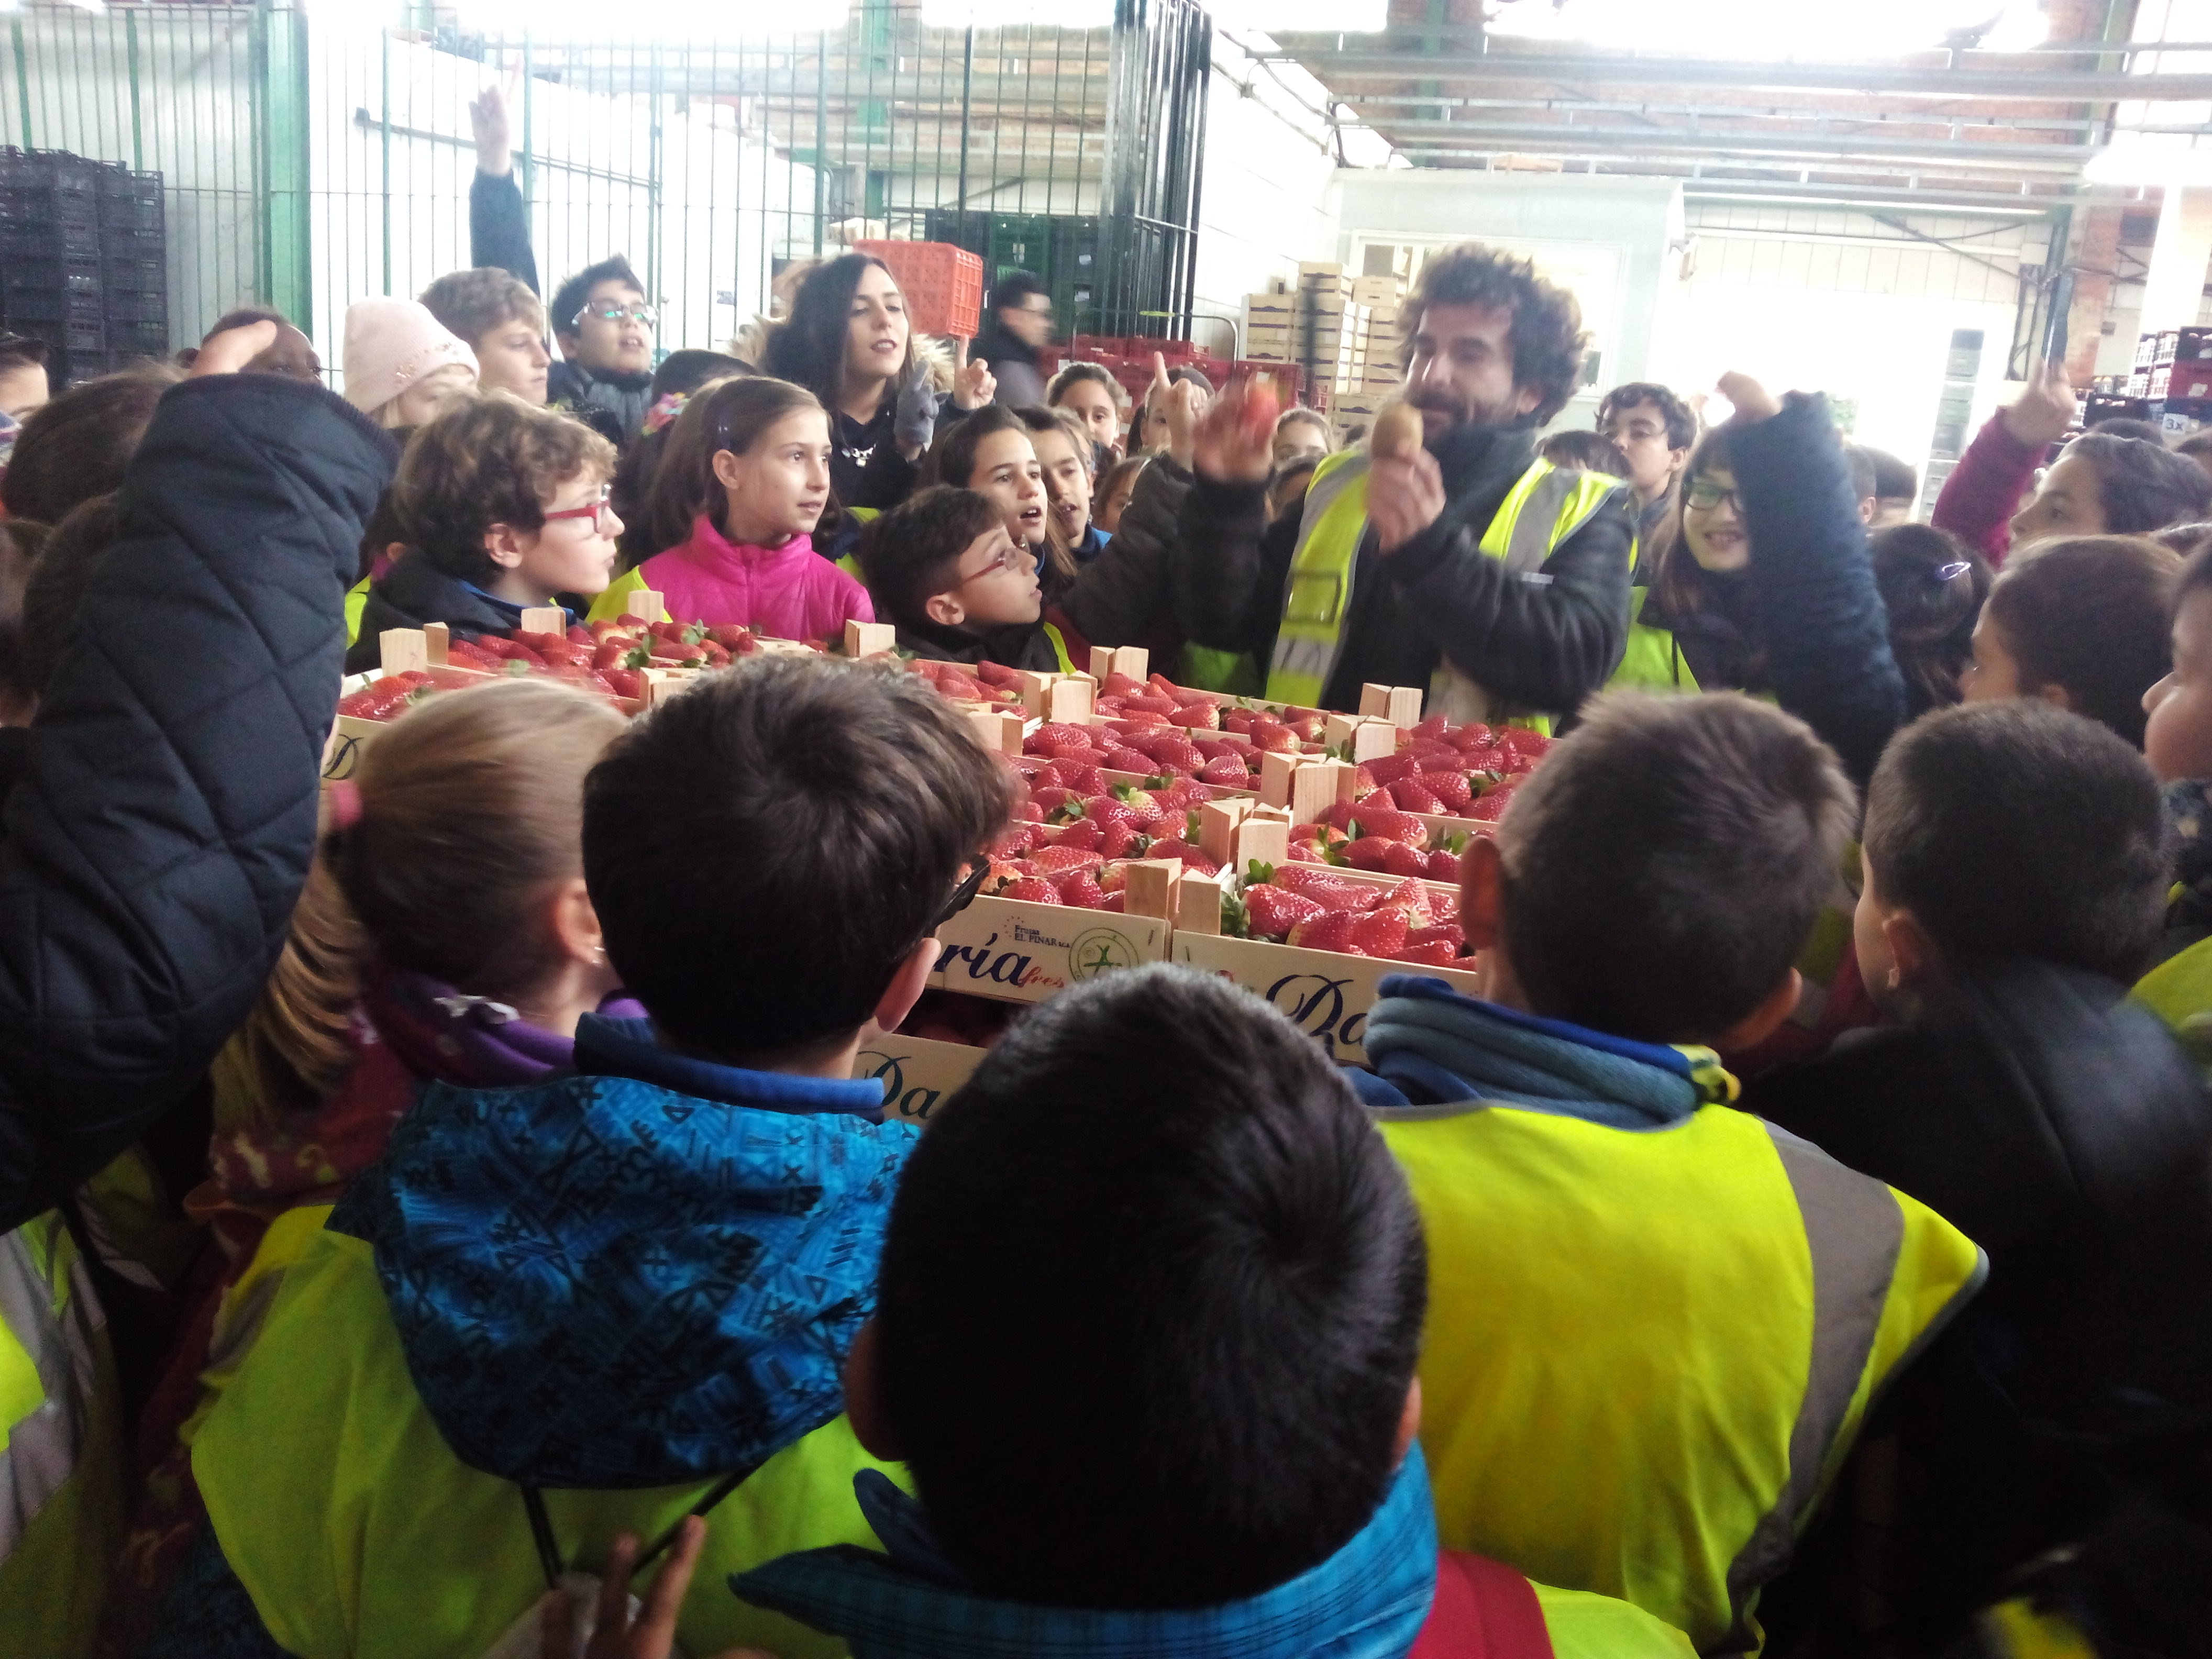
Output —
(1453, 83)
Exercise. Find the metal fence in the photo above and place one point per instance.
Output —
(310, 158)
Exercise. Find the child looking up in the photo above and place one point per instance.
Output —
(402, 365)
(555, 1313)
(1165, 1403)
(735, 501)
(2178, 745)
(2081, 623)
(991, 453)
(2014, 882)
(1063, 451)
(945, 572)
(1613, 1253)
(503, 507)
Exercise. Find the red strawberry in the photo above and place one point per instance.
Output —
(1399, 860)
(1381, 932)
(1051, 775)
(1426, 755)
(1367, 852)
(1305, 852)
(1442, 867)
(1018, 840)
(1122, 758)
(1374, 820)
(1029, 811)
(1112, 878)
(1080, 889)
(1491, 806)
(1110, 809)
(1058, 861)
(1215, 747)
(1275, 911)
(1119, 685)
(1451, 788)
(1337, 815)
(1447, 932)
(1435, 726)
(1192, 857)
(1082, 777)
(1327, 889)
(1274, 736)
(1149, 705)
(1437, 953)
(1201, 717)
(1412, 797)
(1389, 769)
(1183, 756)
(1330, 931)
(1224, 771)
(1307, 727)
(1144, 809)
(1083, 835)
(992, 673)
(1414, 896)
(1474, 735)
(732, 638)
(1034, 889)
(1523, 740)
(1122, 841)
(626, 682)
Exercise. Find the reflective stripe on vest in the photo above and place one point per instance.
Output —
(1719, 1302)
(356, 601)
(1059, 648)
(49, 1326)
(614, 599)
(1546, 505)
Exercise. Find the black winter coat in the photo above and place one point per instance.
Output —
(1019, 645)
(415, 591)
(157, 839)
(1535, 644)
(2063, 1129)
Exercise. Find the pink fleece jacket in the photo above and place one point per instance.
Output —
(790, 591)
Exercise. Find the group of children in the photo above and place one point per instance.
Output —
(553, 1234)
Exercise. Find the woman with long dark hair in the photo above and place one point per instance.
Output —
(848, 341)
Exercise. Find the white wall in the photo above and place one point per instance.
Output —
(1605, 239)
(1833, 300)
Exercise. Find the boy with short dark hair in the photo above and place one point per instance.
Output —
(1149, 1358)
(1655, 1280)
(2014, 878)
(502, 507)
(942, 568)
(604, 324)
(555, 1313)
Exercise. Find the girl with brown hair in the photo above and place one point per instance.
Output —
(740, 488)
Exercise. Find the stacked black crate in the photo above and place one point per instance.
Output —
(84, 261)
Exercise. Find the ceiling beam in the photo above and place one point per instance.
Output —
(1545, 138)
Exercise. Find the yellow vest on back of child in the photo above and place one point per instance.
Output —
(1648, 1351)
(360, 1536)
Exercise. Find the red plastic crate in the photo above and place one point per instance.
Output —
(943, 285)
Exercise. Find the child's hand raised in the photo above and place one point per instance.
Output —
(230, 351)
(615, 1635)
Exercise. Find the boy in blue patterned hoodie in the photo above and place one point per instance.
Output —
(557, 1313)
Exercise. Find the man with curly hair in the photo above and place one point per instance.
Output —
(1467, 565)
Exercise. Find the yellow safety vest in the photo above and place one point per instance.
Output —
(60, 1463)
(1652, 661)
(1648, 1352)
(2179, 991)
(1546, 505)
(360, 1536)
(356, 601)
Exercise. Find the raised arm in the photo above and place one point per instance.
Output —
(153, 852)
(1984, 489)
(1812, 576)
(499, 234)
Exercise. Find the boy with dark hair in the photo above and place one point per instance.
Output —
(601, 317)
(1896, 488)
(555, 1313)
(2015, 880)
(498, 316)
(1655, 431)
(503, 507)
(1659, 1281)
(942, 568)
(1163, 1401)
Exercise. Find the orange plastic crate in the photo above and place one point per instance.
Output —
(943, 284)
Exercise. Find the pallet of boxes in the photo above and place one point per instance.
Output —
(1375, 377)
(1304, 854)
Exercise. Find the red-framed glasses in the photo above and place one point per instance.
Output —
(598, 512)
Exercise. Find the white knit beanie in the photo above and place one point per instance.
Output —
(390, 344)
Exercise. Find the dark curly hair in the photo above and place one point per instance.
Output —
(2145, 486)
(809, 349)
(1547, 336)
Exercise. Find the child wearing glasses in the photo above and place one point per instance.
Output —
(502, 507)
(946, 571)
(590, 1304)
(1765, 585)
(740, 487)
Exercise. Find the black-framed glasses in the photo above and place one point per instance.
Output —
(962, 897)
(1706, 496)
(611, 311)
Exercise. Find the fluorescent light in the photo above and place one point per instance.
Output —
(2143, 159)
(1762, 29)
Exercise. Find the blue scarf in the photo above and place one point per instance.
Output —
(1369, 1601)
(1431, 1047)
